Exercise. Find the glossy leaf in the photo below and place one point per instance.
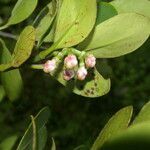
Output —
(75, 21)
(118, 123)
(45, 19)
(119, 35)
(22, 10)
(2, 93)
(8, 143)
(11, 80)
(136, 137)
(105, 11)
(4, 67)
(137, 6)
(51, 34)
(94, 85)
(50, 37)
(23, 46)
(144, 114)
(40, 120)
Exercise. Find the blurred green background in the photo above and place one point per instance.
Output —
(74, 120)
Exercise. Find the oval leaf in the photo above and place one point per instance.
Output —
(40, 120)
(11, 80)
(144, 114)
(137, 6)
(105, 11)
(4, 67)
(119, 35)
(24, 46)
(136, 137)
(22, 10)
(75, 21)
(44, 21)
(50, 36)
(8, 143)
(42, 138)
(118, 123)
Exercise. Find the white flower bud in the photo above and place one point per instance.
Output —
(49, 66)
(70, 61)
(90, 61)
(81, 73)
(68, 74)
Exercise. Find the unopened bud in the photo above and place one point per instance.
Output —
(49, 66)
(68, 74)
(90, 61)
(81, 73)
(70, 61)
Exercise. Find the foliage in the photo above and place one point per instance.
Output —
(116, 134)
(135, 136)
(75, 120)
(121, 34)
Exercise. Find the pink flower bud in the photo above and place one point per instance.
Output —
(70, 61)
(49, 66)
(68, 74)
(90, 61)
(81, 73)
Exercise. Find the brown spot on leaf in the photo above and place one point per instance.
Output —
(92, 92)
(88, 91)
(76, 23)
(92, 89)
(95, 84)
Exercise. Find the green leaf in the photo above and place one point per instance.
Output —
(40, 120)
(119, 35)
(23, 46)
(118, 123)
(44, 20)
(50, 36)
(8, 143)
(42, 138)
(136, 137)
(53, 145)
(105, 11)
(11, 80)
(75, 21)
(2, 93)
(93, 86)
(4, 67)
(136, 6)
(22, 10)
(144, 114)
(6, 62)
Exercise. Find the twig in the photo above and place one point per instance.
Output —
(8, 35)
(15, 37)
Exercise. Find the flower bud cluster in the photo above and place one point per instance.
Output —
(73, 67)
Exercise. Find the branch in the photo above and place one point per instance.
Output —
(8, 35)
(14, 37)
